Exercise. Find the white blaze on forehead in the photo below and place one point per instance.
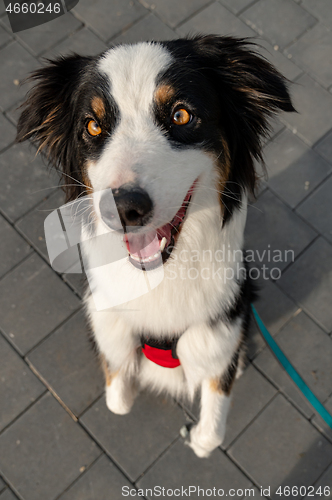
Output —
(132, 70)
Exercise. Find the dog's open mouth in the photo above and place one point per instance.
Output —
(149, 250)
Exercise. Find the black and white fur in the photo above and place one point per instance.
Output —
(230, 92)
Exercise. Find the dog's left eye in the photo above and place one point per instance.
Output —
(181, 117)
(93, 128)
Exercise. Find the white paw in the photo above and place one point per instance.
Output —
(202, 444)
(116, 402)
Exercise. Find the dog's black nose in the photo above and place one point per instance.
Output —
(133, 206)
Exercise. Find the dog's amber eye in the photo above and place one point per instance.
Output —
(181, 117)
(93, 128)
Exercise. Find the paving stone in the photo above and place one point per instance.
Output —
(42, 37)
(32, 224)
(324, 428)
(33, 301)
(27, 180)
(4, 36)
(314, 106)
(237, 5)
(279, 21)
(83, 42)
(103, 481)
(66, 361)
(218, 20)
(8, 495)
(135, 440)
(107, 18)
(309, 280)
(294, 169)
(275, 309)
(13, 113)
(15, 63)
(243, 408)
(173, 12)
(282, 448)
(313, 53)
(313, 361)
(283, 64)
(12, 247)
(325, 480)
(8, 132)
(324, 147)
(44, 451)
(180, 467)
(148, 28)
(320, 9)
(19, 386)
(274, 228)
(77, 281)
(276, 127)
(316, 209)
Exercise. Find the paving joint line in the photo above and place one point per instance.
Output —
(59, 325)
(124, 30)
(101, 447)
(191, 16)
(21, 414)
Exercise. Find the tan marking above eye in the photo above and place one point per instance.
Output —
(98, 107)
(181, 117)
(93, 128)
(164, 94)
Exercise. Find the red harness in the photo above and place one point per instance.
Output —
(161, 352)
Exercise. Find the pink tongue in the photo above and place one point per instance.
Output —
(146, 245)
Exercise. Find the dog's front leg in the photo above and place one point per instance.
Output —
(203, 354)
(210, 430)
(118, 354)
(120, 390)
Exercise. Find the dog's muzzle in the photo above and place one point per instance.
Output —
(130, 207)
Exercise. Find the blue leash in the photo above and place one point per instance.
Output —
(291, 370)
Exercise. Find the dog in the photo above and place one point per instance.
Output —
(167, 133)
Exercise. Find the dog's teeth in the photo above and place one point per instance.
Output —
(163, 244)
(156, 255)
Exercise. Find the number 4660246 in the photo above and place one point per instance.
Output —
(33, 8)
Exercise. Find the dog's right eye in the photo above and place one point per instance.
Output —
(181, 117)
(93, 128)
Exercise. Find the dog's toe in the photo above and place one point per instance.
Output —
(201, 444)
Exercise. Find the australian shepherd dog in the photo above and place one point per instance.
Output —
(162, 138)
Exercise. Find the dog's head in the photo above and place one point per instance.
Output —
(147, 122)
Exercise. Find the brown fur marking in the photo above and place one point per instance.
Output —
(223, 168)
(164, 93)
(98, 107)
(107, 373)
(224, 384)
(86, 180)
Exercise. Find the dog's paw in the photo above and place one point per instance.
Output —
(117, 404)
(200, 443)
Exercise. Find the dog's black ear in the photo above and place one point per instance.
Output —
(48, 114)
(250, 89)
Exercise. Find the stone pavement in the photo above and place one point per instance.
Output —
(57, 439)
